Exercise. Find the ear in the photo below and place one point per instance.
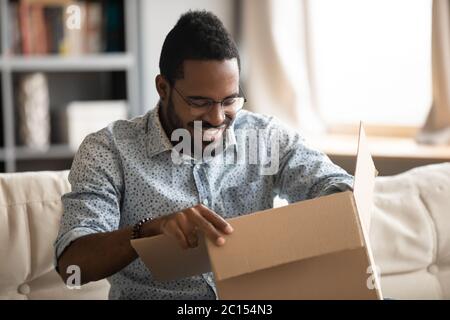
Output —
(162, 86)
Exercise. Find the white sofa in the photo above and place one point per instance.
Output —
(30, 212)
(410, 235)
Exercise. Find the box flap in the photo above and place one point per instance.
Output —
(166, 260)
(364, 182)
(363, 189)
(269, 238)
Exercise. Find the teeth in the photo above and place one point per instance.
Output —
(212, 131)
(211, 134)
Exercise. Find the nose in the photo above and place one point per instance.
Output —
(215, 116)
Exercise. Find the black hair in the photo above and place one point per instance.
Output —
(198, 35)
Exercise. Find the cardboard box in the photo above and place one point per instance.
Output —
(313, 249)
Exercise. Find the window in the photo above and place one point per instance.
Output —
(372, 60)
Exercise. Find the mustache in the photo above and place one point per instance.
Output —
(207, 125)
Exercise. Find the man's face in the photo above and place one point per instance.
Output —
(211, 79)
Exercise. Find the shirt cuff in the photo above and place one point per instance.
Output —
(66, 239)
(337, 187)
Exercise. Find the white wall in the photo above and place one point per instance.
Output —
(157, 18)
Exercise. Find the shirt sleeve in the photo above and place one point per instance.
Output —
(93, 205)
(305, 173)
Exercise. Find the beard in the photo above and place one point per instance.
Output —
(173, 122)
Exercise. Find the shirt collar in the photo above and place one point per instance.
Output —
(158, 141)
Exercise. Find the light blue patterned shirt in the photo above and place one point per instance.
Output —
(125, 172)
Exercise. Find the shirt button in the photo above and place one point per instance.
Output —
(205, 202)
(24, 289)
(433, 269)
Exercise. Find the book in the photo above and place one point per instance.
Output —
(94, 23)
(39, 43)
(113, 26)
(14, 29)
(25, 28)
(54, 28)
(74, 38)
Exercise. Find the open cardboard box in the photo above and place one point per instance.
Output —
(313, 249)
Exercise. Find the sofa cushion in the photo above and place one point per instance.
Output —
(30, 212)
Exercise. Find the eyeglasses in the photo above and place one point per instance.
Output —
(201, 106)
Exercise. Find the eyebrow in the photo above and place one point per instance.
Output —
(234, 95)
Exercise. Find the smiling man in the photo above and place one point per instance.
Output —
(126, 183)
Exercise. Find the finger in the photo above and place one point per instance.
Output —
(219, 222)
(188, 230)
(192, 239)
(179, 235)
(207, 228)
(172, 229)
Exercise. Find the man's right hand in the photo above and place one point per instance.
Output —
(185, 225)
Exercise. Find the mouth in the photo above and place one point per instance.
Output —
(212, 134)
(208, 133)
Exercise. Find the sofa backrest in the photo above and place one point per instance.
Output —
(30, 213)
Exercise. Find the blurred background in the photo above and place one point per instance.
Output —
(69, 68)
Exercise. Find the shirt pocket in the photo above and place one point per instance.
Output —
(246, 198)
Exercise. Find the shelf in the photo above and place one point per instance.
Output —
(54, 152)
(61, 151)
(102, 62)
(381, 147)
(42, 165)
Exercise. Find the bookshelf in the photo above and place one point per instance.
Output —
(112, 75)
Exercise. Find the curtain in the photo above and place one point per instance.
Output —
(277, 69)
(436, 129)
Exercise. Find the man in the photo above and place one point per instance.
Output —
(138, 178)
